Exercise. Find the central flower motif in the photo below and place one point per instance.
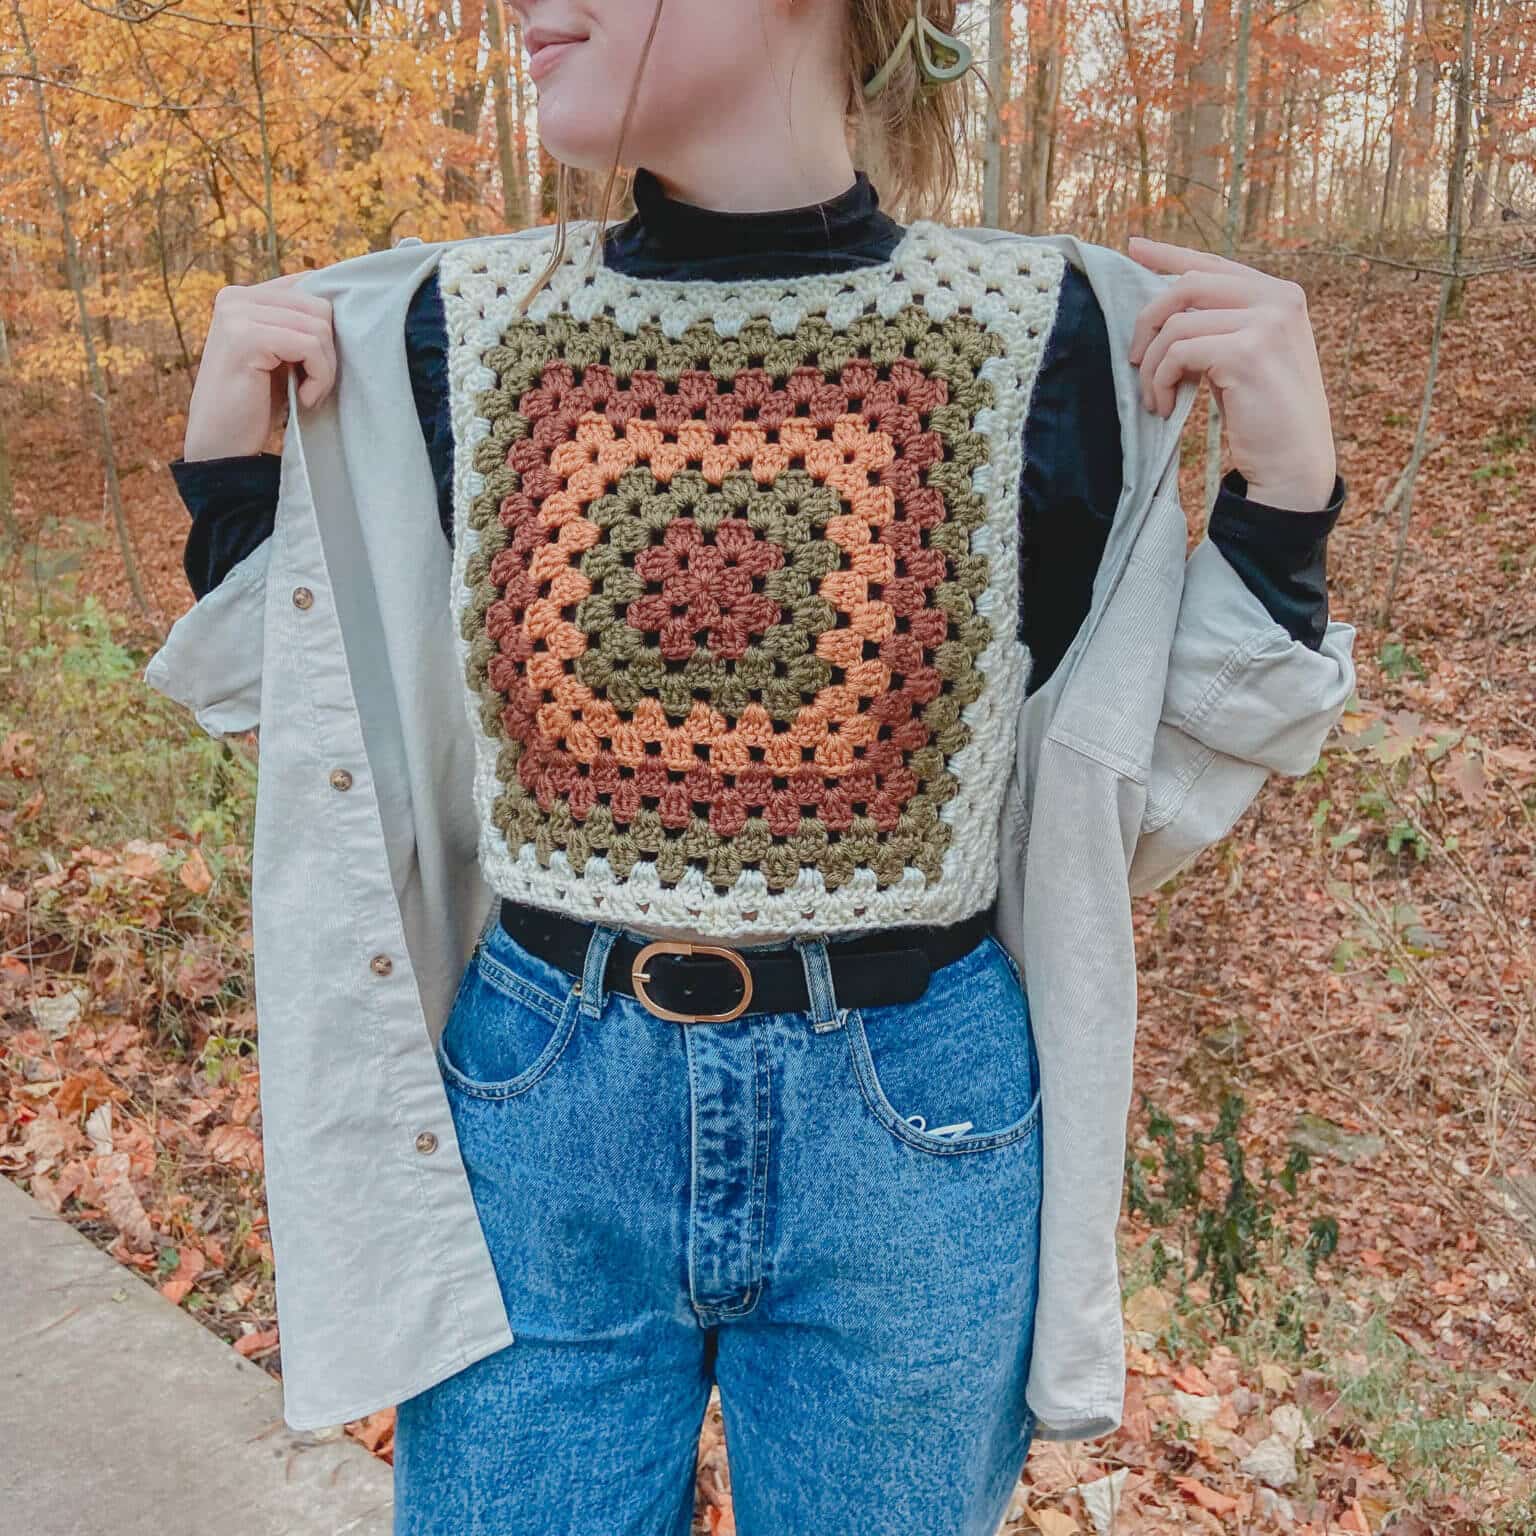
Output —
(707, 588)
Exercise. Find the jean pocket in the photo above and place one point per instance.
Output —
(956, 1071)
(504, 1032)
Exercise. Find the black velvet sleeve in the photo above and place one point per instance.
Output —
(426, 346)
(1070, 486)
(233, 502)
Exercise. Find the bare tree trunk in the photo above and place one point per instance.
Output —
(1391, 202)
(1134, 73)
(1451, 283)
(992, 162)
(1229, 232)
(1367, 278)
(162, 261)
(514, 210)
(7, 483)
(226, 246)
(1395, 495)
(1182, 124)
(1209, 78)
(1292, 86)
(1315, 117)
(1423, 117)
(520, 105)
(1047, 23)
(1361, 199)
(104, 277)
(1489, 128)
(1262, 157)
(360, 139)
(1052, 104)
(274, 246)
(1007, 125)
(460, 184)
(77, 286)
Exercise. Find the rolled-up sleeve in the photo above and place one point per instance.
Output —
(1281, 554)
(233, 502)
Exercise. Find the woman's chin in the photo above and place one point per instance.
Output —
(574, 134)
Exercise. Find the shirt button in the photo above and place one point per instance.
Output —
(303, 597)
(340, 779)
(382, 965)
(426, 1141)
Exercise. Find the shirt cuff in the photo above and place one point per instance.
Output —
(1280, 553)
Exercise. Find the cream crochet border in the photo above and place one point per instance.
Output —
(1009, 286)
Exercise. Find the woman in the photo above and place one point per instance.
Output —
(747, 609)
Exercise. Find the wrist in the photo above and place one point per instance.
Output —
(225, 435)
(1312, 492)
(230, 414)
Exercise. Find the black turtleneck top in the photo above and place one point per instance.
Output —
(1071, 479)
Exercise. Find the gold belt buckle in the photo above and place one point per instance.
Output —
(638, 977)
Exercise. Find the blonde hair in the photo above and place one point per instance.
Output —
(909, 136)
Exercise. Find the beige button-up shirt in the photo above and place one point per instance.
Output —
(1178, 697)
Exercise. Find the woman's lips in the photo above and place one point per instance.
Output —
(544, 58)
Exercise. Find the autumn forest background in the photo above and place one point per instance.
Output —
(1329, 1245)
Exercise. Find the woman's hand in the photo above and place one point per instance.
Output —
(242, 379)
(1249, 333)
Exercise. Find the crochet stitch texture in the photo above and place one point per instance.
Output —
(735, 580)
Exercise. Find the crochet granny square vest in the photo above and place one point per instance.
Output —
(735, 580)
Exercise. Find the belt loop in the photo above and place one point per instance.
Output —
(595, 968)
(825, 1014)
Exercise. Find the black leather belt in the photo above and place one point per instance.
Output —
(713, 983)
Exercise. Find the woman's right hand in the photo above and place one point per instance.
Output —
(257, 331)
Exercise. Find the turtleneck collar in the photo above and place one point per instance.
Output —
(667, 237)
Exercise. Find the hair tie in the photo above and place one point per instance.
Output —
(922, 31)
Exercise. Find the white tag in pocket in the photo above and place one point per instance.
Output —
(958, 1129)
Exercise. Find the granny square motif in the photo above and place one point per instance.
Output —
(735, 580)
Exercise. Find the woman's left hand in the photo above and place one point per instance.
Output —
(1250, 334)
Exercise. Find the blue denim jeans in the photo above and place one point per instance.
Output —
(834, 1215)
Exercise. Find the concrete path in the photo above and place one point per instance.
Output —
(121, 1415)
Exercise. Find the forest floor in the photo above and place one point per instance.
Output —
(1329, 1251)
